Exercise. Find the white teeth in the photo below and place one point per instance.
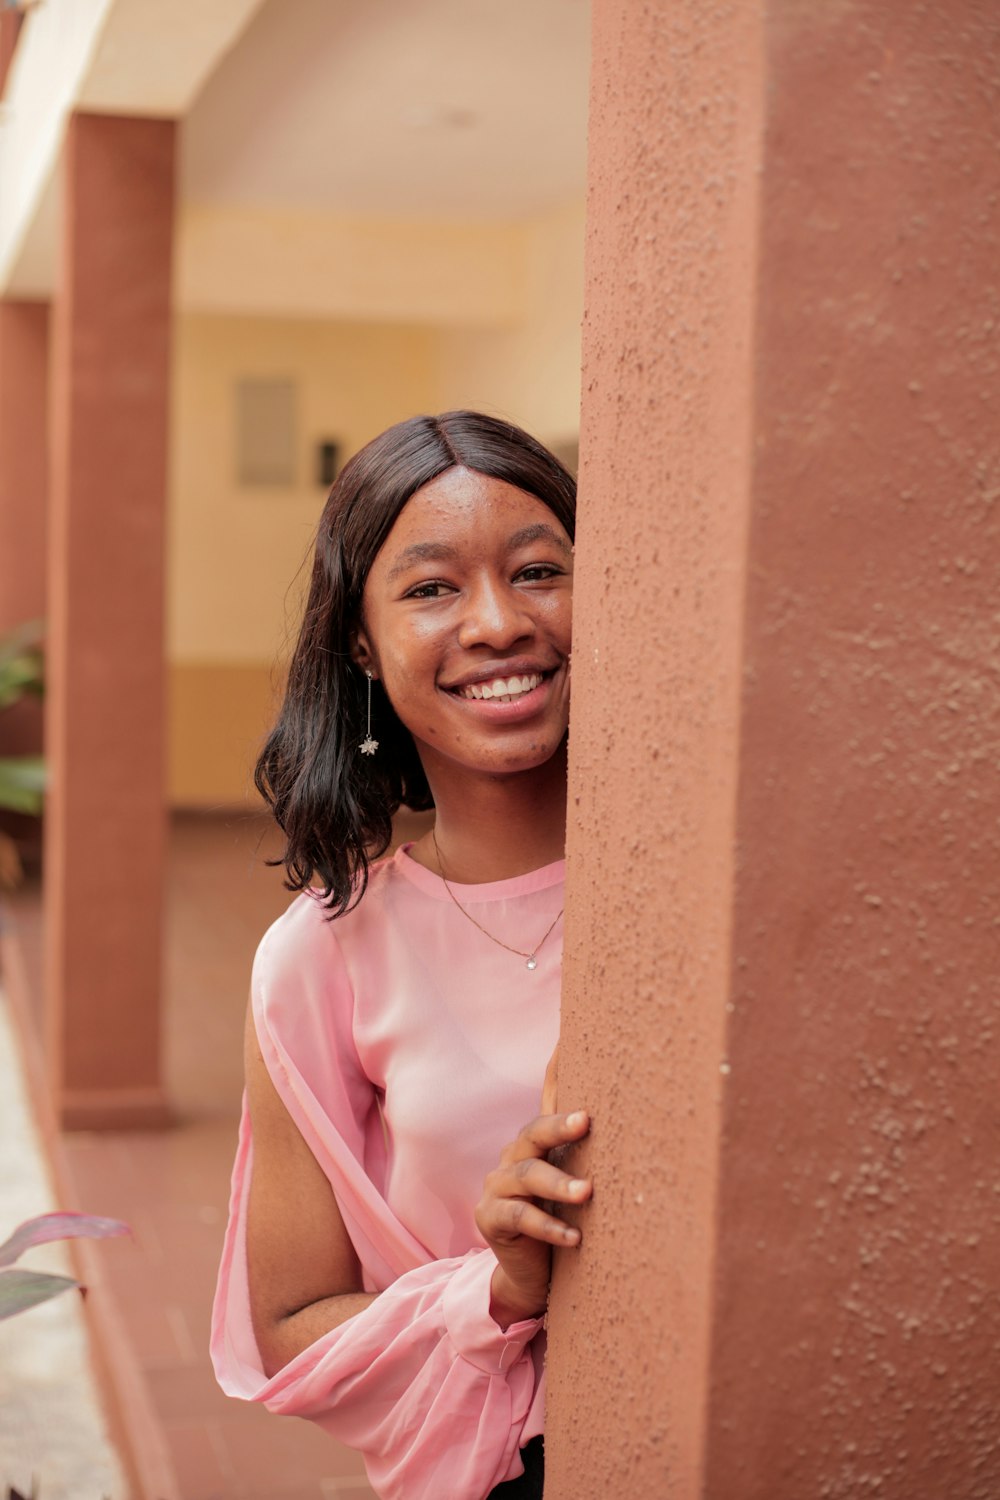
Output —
(502, 689)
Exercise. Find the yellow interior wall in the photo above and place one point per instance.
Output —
(284, 262)
(236, 554)
(219, 713)
(234, 551)
(235, 574)
(529, 372)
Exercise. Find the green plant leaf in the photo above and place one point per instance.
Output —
(22, 665)
(22, 783)
(47, 1227)
(17, 677)
(29, 636)
(21, 1289)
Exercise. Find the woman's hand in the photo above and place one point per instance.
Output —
(517, 1226)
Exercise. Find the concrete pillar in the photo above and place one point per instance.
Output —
(781, 989)
(105, 727)
(23, 460)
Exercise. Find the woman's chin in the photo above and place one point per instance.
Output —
(503, 757)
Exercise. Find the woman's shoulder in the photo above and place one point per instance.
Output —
(307, 924)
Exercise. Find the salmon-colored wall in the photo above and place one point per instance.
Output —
(858, 1319)
(665, 444)
(781, 989)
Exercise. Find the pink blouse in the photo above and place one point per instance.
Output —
(403, 1012)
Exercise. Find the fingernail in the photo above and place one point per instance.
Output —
(576, 1119)
(578, 1185)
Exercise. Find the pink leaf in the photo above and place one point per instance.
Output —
(58, 1227)
(20, 1289)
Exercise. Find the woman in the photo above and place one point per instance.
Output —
(387, 1259)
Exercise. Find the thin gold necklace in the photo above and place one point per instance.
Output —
(531, 958)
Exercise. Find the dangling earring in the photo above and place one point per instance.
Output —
(368, 746)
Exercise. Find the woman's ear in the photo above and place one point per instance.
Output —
(361, 651)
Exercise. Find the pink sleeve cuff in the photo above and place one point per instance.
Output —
(466, 1312)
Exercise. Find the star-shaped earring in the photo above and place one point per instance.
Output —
(368, 745)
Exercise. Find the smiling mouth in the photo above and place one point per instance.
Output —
(502, 689)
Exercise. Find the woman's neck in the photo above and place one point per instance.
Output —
(493, 828)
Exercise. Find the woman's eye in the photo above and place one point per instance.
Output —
(538, 572)
(425, 591)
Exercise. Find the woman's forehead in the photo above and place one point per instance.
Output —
(463, 507)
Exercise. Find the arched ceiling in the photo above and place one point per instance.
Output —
(420, 109)
(306, 119)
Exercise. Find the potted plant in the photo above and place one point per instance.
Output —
(21, 1288)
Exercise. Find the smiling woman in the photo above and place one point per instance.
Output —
(469, 597)
(387, 1260)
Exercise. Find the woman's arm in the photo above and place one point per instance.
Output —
(420, 1378)
(303, 1273)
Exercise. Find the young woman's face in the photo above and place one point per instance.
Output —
(465, 619)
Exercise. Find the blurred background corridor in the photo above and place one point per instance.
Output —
(361, 212)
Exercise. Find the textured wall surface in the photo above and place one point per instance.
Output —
(665, 458)
(856, 1334)
(781, 993)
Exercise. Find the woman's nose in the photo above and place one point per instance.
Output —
(495, 615)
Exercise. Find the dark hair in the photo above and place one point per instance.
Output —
(335, 806)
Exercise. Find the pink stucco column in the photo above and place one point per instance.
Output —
(105, 726)
(781, 981)
(23, 460)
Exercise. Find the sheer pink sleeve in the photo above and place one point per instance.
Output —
(423, 1382)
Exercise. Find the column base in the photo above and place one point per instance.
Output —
(113, 1109)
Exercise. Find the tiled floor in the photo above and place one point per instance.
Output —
(172, 1187)
(53, 1436)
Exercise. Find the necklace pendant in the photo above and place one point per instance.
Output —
(532, 962)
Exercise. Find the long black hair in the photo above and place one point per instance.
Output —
(335, 806)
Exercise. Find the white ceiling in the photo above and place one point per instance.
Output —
(402, 109)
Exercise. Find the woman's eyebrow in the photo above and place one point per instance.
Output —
(537, 532)
(421, 552)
